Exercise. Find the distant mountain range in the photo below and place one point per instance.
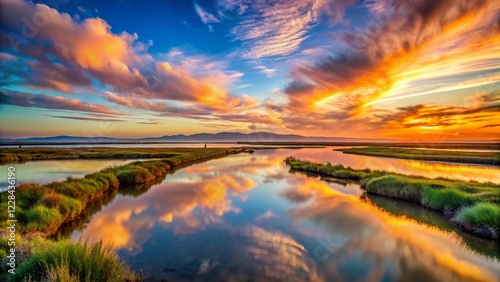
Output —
(199, 137)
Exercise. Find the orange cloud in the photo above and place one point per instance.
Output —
(434, 41)
(80, 51)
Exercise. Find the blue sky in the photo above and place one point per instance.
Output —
(346, 68)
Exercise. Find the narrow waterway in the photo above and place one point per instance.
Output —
(247, 218)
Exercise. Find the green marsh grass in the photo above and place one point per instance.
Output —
(44, 208)
(473, 157)
(473, 205)
(481, 215)
(9, 155)
(72, 261)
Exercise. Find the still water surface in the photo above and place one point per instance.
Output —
(55, 170)
(247, 218)
(59, 170)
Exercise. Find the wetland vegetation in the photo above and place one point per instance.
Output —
(42, 210)
(49, 213)
(488, 158)
(474, 206)
(11, 155)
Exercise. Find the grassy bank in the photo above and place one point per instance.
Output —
(488, 158)
(474, 206)
(42, 210)
(480, 245)
(10, 155)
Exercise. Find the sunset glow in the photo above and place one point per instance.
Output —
(408, 70)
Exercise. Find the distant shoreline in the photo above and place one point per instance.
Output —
(463, 157)
(112, 143)
(430, 145)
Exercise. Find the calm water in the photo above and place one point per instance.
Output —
(408, 167)
(153, 145)
(247, 218)
(58, 170)
(55, 170)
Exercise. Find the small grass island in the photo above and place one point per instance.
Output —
(473, 206)
(455, 155)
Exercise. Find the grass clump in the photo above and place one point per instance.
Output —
(448, 199)
(68, 207)
(337, 171)
(395, 186)
(72, 261)
(482, 217)
(44, 219)
(438, 194)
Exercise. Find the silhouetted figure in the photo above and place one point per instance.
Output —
(19, 146)
(205, 145)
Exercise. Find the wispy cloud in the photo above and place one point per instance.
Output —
(269, 72)
(205, 16)
(6, 57)
(277, 28)
(88, 118)
(43, 101)
(150, 123)
(490, 125)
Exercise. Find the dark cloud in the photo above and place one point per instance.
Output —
(88, 118)
(43, 101)
(489, 125)
(435, 115)
(144, 122)
(48, 75)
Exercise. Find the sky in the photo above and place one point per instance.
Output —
(398, 69)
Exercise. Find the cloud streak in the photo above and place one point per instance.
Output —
(277, 28)
(88, 118)
(205, 16)
(43, 101)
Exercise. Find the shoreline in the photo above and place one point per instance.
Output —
(68, 198)
(435, 155)
(444, 195)
(45, 210)
(23, 155)
(431, 145)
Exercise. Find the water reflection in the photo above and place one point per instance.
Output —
(408, 167)
(193, 205)
(247, 217)
(56, 170)
(365, 243)
(433, 218)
